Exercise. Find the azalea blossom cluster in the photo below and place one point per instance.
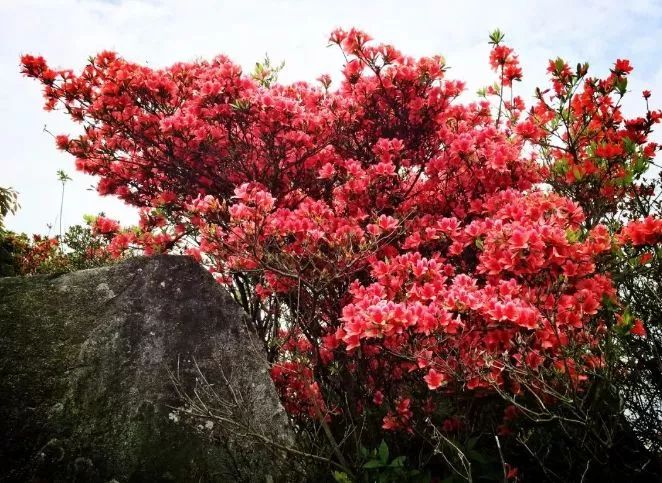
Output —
(80, 247)
(645, 232)
(593, 154)
(402, 236)
(34, 253)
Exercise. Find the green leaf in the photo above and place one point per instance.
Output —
(477, 457)
(627, 316)
(373, 464)
(62, 176)
(471, 442)
(608, 304)
(341, 477)
(383, 452)
(572, 235)
(577, 173)
(640, 165)
(630, 147)
(628, 178)
(240, 104)
(627, 321)
(364, 451)
(398, 462)
(622, 85)
(496, 37)
(560, 167)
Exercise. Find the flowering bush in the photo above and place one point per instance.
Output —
(82, 246)
(400, 253)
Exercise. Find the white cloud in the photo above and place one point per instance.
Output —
(66, 32)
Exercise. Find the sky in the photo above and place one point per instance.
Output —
(161, 32)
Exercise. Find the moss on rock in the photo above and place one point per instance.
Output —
(85, 386)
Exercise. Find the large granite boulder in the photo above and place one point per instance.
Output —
(97, 366)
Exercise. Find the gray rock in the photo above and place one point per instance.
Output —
(97, 366)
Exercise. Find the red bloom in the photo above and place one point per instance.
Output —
(622, 66)
(62, 141)
(105, 226)
(638, 328)
(434, 379)
(645, 232)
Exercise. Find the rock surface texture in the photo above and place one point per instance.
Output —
(88, 362)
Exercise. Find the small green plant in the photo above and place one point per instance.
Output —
(379, 468)
(63, 178)
(266, 73)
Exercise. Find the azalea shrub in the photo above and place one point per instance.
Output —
(88, 245)
(440, 273)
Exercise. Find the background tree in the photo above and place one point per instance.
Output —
(8, 203)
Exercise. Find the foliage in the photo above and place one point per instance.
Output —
(417, 267)
(82, 246)
(265, 73)
(379, 467)
(8, 203)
